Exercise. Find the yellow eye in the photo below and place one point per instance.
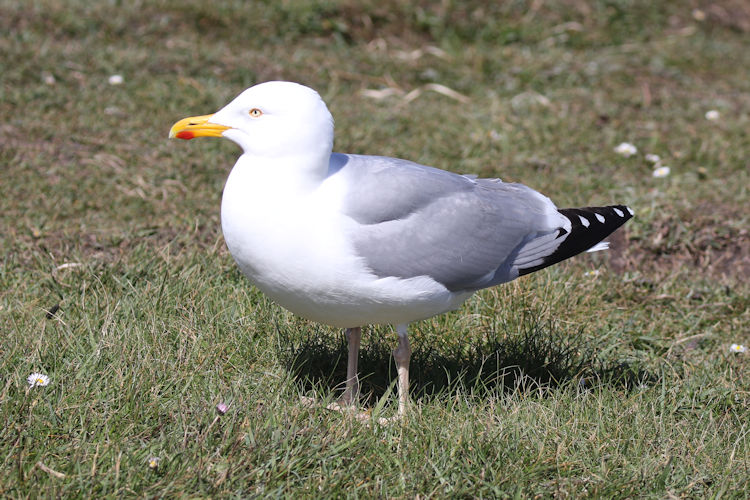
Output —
(255, 112)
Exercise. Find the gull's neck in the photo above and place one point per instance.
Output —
(291, 172)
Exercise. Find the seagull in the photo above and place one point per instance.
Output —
(350, 240)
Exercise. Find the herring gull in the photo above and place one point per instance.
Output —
(349, 240)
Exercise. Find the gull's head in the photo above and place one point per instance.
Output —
(271, 119)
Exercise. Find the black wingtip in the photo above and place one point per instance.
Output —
(589, 226)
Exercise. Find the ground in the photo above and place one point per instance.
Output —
(610, 375)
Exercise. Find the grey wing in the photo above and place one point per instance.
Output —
(465, 233)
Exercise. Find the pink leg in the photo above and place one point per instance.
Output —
(402, 354)
(351, 393)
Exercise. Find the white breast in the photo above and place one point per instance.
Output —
(289, 237)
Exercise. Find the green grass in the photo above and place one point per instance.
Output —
(560, 384)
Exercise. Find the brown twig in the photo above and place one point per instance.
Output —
(49, 471)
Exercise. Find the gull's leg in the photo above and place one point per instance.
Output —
(351, 393)
(402, 354)
(350, 398)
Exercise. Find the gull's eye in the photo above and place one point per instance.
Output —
(255, 113)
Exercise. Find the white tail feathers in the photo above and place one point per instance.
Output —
(602, 245)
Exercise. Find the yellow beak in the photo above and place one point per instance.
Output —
(196, 126)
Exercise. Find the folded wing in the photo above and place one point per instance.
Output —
(466, 233)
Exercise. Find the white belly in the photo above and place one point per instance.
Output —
(292, 244)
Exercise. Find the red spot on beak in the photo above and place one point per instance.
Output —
(185, 134)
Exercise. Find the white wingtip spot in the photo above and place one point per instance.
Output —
(600, 218)
(619, 212)
(584, 221)
(631, 211)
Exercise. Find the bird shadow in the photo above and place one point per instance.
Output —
(524, 358)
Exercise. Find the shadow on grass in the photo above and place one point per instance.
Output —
(531, 357)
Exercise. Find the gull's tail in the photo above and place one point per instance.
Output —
(588, 227)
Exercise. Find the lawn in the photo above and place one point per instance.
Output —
(610, 375)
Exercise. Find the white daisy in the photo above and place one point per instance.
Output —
(116, 80)
(737, 348)
(593, 273)
(153, 463)
(661, 172)
(653, 158)
(37, 379)
(626, 149)
(712, 115)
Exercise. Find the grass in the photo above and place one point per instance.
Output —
(560, 384)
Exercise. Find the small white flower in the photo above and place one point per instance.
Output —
(592, 273)
(626, 149)
(116, 80)
(48, 78)
(38, 379)
(712, 115)
(661, 172)
(222, 408)
(737, 348)
(153, 463)
(653, 158)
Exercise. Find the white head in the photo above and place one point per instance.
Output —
(272, 119)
